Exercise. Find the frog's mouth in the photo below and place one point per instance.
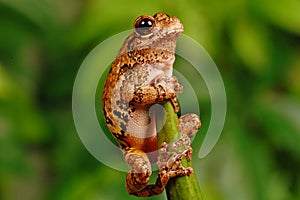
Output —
(172, 32)
(146, 36)
(175, 31)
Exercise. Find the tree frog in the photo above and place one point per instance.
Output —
(141, 76)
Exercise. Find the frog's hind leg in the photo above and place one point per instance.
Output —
(137, 178)
(169, 166)
(169, 161)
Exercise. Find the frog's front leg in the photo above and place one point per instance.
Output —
(162, 88)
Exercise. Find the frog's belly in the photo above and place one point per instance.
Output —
(142, 129)
(146, 145)
(140, 124)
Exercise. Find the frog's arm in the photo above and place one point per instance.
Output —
(163, 88)
(178, 188)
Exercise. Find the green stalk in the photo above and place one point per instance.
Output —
(184, 187)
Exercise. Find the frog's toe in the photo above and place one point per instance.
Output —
(189, 124)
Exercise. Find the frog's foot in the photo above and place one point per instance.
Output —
(170, 158)
(168, 84)
(168, 88)
(189, 124)
(170, 166)
(169, 161)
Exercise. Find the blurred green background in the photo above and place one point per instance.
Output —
(255, 44)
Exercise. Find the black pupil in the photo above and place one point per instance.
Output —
(145, 23)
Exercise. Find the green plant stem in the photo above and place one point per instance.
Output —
(184, 187)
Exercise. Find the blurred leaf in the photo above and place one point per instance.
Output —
(291, 78)
(6, 85)
(38, 12)
(284, 14)
(251, 44)
(281, 118)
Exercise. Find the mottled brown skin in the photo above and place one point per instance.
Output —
(141, 75)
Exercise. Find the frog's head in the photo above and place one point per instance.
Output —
(156, 32)
(160, 26)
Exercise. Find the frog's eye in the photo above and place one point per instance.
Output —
(143, 25)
